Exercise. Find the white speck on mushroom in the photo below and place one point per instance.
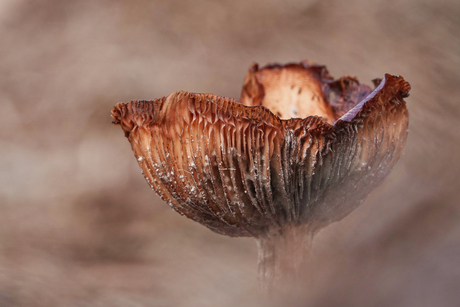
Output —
(293, 110)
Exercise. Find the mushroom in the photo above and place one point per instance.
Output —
(300, 151)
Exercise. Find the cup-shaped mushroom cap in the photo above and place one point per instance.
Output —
(241, 170)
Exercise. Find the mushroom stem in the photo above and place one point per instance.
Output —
(282, 254)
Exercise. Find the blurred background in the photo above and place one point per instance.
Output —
(80, 227)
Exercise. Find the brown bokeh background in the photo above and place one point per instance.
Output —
(80, 227)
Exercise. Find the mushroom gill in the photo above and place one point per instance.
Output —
(249, 169)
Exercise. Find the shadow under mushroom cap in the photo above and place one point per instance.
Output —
(241, 170)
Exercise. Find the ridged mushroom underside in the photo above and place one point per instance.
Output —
(242, 171)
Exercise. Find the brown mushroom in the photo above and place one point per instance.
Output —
(249, 169)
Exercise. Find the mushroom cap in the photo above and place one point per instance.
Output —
(241, 170)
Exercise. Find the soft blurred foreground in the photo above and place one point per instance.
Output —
(80, 227)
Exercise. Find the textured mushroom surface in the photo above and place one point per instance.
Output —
(248, 169)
